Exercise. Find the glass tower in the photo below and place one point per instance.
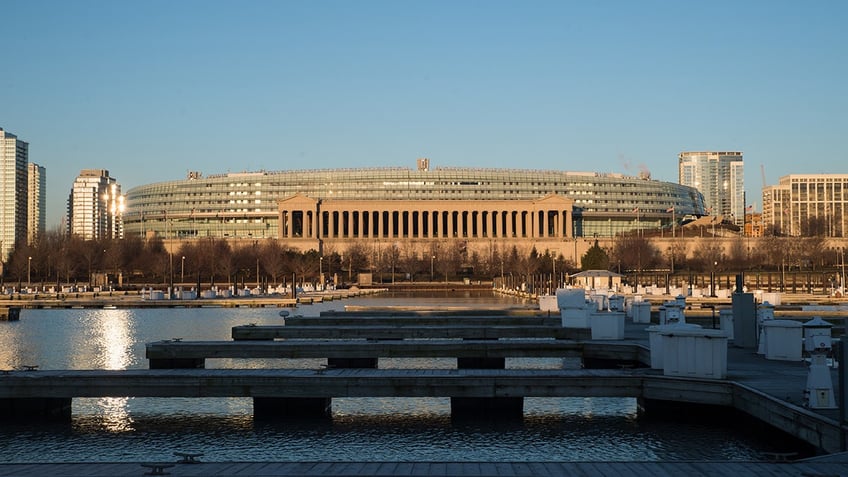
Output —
(720, 178)
(13, 192)
(95, 206)
(37, 202)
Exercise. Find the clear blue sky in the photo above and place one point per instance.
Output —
(152, 89)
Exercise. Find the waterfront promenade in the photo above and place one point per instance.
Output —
(136, 300)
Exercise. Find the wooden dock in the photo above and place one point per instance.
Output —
(808, 468)
(771, 391)
(270, 332)
(353, 349)
(135, 300)
(423, 320)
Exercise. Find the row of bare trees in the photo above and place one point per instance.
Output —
(636, 253)
(58, 259)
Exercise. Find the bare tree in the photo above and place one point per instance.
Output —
(634, 253)
(738, 254)
(272, 259)
(409, 260)
(814, 251)
(449, 259)
(707, 255)
(356, 258)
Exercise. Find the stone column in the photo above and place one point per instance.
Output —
(480, 233)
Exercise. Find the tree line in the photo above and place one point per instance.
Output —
(56, 258)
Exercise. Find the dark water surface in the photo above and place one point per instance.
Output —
(384, 429)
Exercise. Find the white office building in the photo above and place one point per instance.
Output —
(37, 202)
(13, 192)
(807, 204)
(95, 206)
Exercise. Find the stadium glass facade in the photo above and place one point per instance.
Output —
(391, 203)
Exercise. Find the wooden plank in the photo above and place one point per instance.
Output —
(296, 349)
(423, 321)
(273, 469)
(350, 383)
(387, 468)
(268, 332)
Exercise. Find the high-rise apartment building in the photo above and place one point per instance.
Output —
(13, 192)
(720, 177)
(36, 202)
(807, 204)
(95, 206)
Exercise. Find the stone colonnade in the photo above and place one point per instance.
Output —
(302, 217)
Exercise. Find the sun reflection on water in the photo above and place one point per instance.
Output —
(109, 341)
(105, 340)
(115, 415)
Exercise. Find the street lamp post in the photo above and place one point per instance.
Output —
(321, 273)
(29, 269)
(503, 283)
(182, 270)
(712, 280)
(431, 267)
(555, 284)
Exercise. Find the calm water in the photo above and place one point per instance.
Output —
(408, 429)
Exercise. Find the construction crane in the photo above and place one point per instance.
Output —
(763, 174)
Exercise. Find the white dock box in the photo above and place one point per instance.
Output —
(671, 313)
(641, 311)
(575, 317)
(655, 340)
(157, 295)
(616, 303)
(570, 298)
(725, 318)
(607, 325)
(817, 335)
(600, 301)
(783, 340)
(694, 353)
(772, 297)
(548, 303)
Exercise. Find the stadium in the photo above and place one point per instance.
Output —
(310, 209)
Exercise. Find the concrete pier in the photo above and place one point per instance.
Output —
(10, 313)
(270, 408)
(35, 408)
(270, 332)
(498, 408)
(193, 354)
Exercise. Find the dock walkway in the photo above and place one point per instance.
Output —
(810, 468)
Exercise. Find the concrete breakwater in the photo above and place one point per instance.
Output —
(138, 300)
